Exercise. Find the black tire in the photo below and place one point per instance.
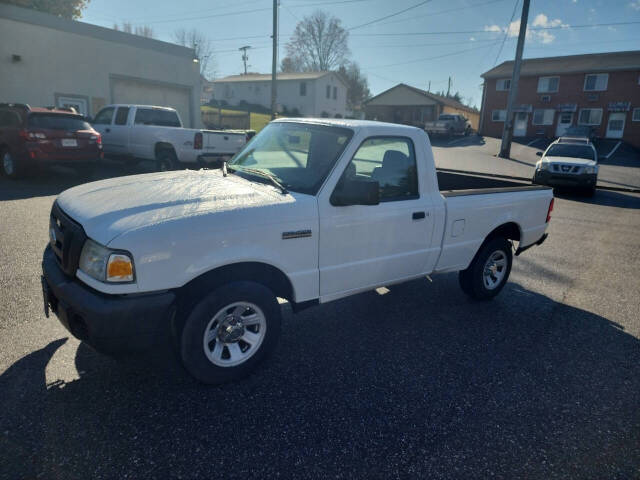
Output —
(166, 161)
(590, 192)
(11, 167)
(192, 349)
(472, 280)
(467, 132)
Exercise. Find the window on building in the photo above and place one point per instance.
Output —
(543, 116)
(121, 115)
(596, 82)
(590, 116)
(328, 91)
(503, 84)
(303, 89)
(499, 115)
(636, 115)
(335, 92)
(391, 162)
(548, 84)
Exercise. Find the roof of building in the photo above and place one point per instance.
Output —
(591, 62)
(435, 97)
(34, 17)
(266, 77)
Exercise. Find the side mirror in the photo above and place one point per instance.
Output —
(356, 192)
(539, 154)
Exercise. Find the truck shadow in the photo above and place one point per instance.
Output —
(418, 380)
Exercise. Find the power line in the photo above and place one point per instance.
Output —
(506, 33)
(390, 15)
(440, 12)
(454, 32)
(431, 58)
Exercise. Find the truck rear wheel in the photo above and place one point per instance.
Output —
(166, 161)
(11, 167)
(489, 270)
(230, 331)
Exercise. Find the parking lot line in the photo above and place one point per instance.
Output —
(613, 150)
(456, 140)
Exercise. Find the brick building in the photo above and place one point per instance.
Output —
(601, 90)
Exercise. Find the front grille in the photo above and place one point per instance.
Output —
(562, 168)
(66, 238)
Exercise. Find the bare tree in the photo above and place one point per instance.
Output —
(357, 85)
(319, 43)
(201, 44)
(141, 30)
(289, 65)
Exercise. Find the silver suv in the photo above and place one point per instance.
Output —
(568, 162)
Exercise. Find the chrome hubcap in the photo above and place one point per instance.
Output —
(7, 163)
(494, 269)
(234, 334)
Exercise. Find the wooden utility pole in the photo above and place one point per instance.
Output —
(245, 57)
(449, 87)
(429, 88)
(507, 132)
(274, 61)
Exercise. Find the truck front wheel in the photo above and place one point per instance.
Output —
(489, 270)
(230, 331)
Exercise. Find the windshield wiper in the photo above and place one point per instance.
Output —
(261, 173)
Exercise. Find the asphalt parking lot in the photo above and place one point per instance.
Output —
(621, 169)
(418, 382)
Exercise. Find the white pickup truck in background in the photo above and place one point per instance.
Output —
(144, 132)
(310, 211)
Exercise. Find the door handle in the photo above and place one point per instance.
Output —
(418, 215)
(107, 130)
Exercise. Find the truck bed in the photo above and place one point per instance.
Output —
(453, 184)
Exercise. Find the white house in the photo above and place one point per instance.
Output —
(47, 60)
(312, 94)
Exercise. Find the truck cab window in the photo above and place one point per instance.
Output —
(121, 115)
(390, 161)
(104, 116)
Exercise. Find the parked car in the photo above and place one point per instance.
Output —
(144, 132)
(310, 211)
(448, 124)
(568, 162)
(580, 131)
(32, 138)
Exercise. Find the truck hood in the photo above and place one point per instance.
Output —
(583, 162)
(109, 208)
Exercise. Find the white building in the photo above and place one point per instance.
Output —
(47, 60)
(312, 94)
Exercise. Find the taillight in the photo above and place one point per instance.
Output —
(550, 209)
(27, 135)
(96, 138)
(197, 141)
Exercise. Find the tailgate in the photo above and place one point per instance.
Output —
(223, 142)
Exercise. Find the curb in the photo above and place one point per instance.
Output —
(528, 180)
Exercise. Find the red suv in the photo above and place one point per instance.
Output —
(34, 137)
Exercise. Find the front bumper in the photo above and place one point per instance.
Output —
(111, 324)
(555, 179)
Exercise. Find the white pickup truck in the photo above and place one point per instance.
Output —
(309, 211)
(144, 132)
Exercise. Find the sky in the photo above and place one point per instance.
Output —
(429, 42)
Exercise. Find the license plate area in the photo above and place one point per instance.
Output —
(69, 142)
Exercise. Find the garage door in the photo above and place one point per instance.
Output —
(149, 93)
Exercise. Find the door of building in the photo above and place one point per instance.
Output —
(615, 125)
(520, 124)
(565, 119)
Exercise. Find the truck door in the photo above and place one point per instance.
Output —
(367, 245)
(102, 123)
(120, 132)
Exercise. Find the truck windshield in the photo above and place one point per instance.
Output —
(446, 117)
(575, 151)
(300, 156)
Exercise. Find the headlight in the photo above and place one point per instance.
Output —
(543, 165)
(104, 264)
(590, 170)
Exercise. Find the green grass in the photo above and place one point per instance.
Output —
(257, 121)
